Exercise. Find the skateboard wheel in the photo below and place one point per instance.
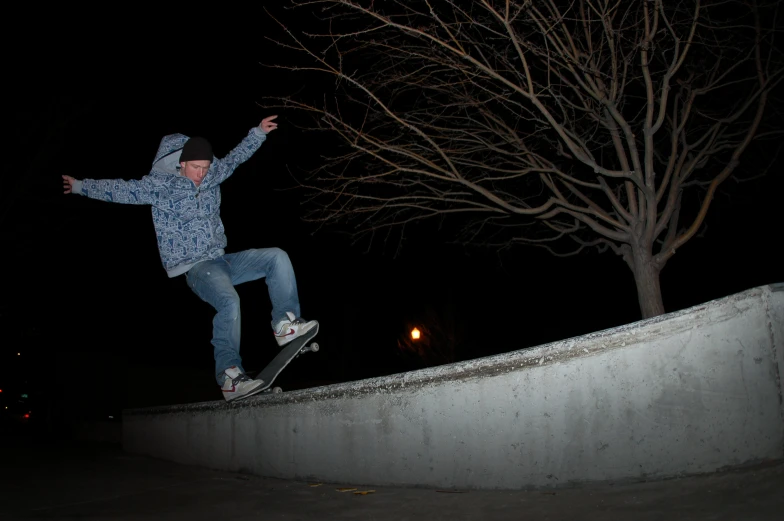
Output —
(277, 390)
(314, 347)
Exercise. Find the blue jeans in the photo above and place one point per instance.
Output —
(213, 281)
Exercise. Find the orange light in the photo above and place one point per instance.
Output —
(415, 334)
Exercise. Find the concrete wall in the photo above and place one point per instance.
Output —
(685, 393)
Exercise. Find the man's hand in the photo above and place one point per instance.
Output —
(267, 125)
(68, 182)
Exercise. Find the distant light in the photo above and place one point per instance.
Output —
(26, 416)
(18, 354)
(111, 417)
(24, 395)
(415, 334)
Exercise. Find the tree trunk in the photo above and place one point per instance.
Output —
(646, 276)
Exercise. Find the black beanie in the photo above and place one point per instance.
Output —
(196, 149)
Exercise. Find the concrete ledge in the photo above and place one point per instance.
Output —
(684, 393)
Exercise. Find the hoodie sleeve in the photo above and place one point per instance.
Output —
(118, 190)
(241, 153)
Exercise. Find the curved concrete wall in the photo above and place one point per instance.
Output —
(684, 393)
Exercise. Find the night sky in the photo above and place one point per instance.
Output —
(100, 326)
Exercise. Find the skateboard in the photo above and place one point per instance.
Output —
(287, 353)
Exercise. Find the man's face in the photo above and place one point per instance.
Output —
(195, 170)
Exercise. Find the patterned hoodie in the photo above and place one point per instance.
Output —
(186, 217)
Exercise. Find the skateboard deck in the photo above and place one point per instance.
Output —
(287, 353)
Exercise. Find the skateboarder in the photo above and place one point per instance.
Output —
(183, 189)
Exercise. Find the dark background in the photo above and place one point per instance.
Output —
(90, 322)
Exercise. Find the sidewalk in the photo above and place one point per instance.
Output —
(67, 481)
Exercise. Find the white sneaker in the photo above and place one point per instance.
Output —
(291, 328)
(239, 385)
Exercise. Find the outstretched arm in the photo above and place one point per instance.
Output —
(111, 190)
(243, 151)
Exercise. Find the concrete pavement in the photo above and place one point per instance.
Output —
(67, 481)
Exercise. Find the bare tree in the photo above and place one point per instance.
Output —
(604, 124)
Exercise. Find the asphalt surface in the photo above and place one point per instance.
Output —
(64, 480)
